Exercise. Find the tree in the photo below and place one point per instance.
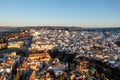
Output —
(102, 76)
(97, 74)
(63, 77)
(17, 76)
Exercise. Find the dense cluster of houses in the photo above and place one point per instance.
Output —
(96, 44)
(38, 64)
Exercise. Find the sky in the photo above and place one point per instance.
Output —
(81, 13)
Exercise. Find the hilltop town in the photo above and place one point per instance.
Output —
(59, 53)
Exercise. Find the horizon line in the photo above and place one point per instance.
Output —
(65, 26)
